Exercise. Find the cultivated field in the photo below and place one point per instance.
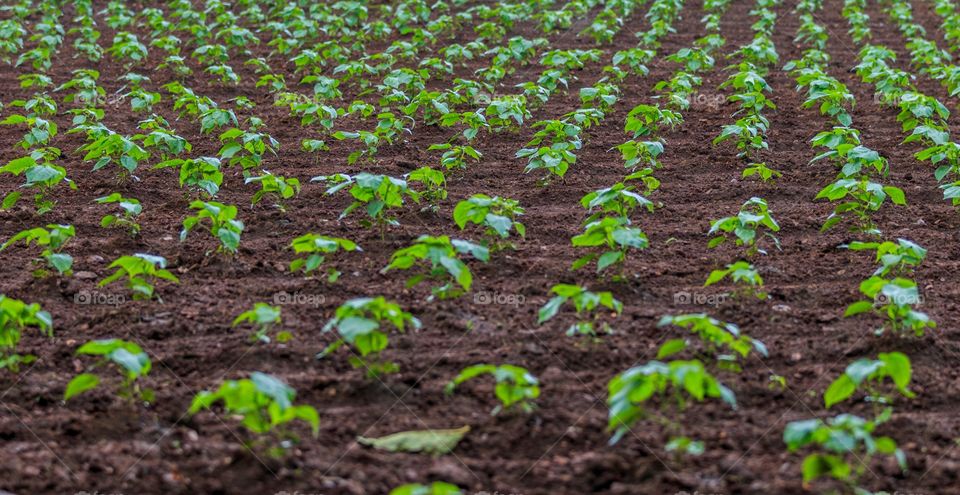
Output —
(518, 247)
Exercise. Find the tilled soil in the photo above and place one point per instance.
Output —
(100, 443)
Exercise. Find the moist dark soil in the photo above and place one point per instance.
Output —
(101, 443)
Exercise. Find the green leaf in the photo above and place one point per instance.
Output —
(671, 347)
(550, 309)
(19, 165)
(838, 391)
(715, 276)
(897, 365)
(583, 261)
(459, 271)
(99, 347)
(80, 384)
(607, 259)
(896, 195)
(229, 238)
(354, 326)
(10, 200)
(135, 364)
(62, 262)
(273, 387)
(816, 465)
(499, 223)
(861, 369)
(310, 415)
(858, 307)
(461, 213)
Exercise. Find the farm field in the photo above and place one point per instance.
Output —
(560, 247)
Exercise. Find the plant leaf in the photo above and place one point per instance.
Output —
(433, 442)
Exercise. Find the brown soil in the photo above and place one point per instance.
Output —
(101, 443)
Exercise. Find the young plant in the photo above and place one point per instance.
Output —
(853, 159)
(635, 59)
(894, 301)
(275, 186)
(86, 91)
(761, 171)
(753, 215)
(127, 48)
(498, 216)
(363, 324)
(844, 446)
(443, 256)
(675, 382)
(141, 100)
(474, 122)
(224, 224)
(264, 403)
(111, 147)
(749, 132)
(613, 236)
(454, 156)
(636, 153)
(861, 197)
(52, 242)
(552, 148)
(743, 273)
(898, 258)
(16, 317)
(316, 248)
(129, 358)
(831, 95)
(434, 186)
(41, 175)
(263, 317)
(720, 339)
(130, 210)
(515, 386)
(141, 271)
(378, 194)
(869, 374)
(622, 198)
(246, 149)
(203, 174)
(602, 96)
(159, 136)
(213, 118)
(40, 130)
(587, 304)
(388, 129)
(507, 112)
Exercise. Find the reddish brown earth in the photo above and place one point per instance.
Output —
(100, 443)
